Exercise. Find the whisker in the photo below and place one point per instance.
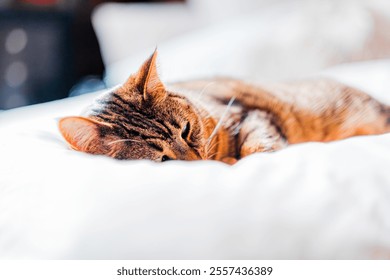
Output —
(123, 140)
(217, 127)
(211, 156)
(236, 128)
(204, 90)
(210, 148)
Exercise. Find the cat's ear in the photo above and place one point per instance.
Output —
(82, 134)
(148, 81)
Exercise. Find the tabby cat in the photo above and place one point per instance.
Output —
(220, 119)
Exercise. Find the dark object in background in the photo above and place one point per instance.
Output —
(36, 60)
(47, 47)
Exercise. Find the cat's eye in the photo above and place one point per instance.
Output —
(165, 158)
(186, 131)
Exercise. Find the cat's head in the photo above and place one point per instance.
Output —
(141, 120)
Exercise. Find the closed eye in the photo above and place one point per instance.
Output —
(185, 131)
(155, 146)
(165, 158)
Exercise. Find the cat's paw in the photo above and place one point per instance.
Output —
(229, 160)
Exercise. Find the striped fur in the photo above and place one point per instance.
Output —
(143, 119)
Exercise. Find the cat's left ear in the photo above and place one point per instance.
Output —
(148, 81)
(83, 134)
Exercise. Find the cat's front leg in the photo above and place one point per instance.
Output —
(258, 133)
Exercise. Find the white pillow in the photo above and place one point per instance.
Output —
(284, 40)
(308, 201)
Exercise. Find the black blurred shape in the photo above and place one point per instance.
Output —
(60, 48)
(44, 51)
(46, 57)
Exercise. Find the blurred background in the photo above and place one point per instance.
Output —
(48, 49)
(52, 49)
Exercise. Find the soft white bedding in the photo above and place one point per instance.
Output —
(256, 39)
(308, 201)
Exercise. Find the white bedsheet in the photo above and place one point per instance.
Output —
(308, 201)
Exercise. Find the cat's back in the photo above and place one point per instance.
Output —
(304, 109)
(315, 93)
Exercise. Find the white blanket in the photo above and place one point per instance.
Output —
(308, 201)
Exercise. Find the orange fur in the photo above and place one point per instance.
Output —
(144, 119)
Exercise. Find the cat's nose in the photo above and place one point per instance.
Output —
(194, 156)
(184, 152)
(189, 155)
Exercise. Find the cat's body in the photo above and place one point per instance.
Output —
(221, 119)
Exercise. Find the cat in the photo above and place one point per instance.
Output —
(219, 119)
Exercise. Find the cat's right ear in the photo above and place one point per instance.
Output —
(147, 80)
(82, 134)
